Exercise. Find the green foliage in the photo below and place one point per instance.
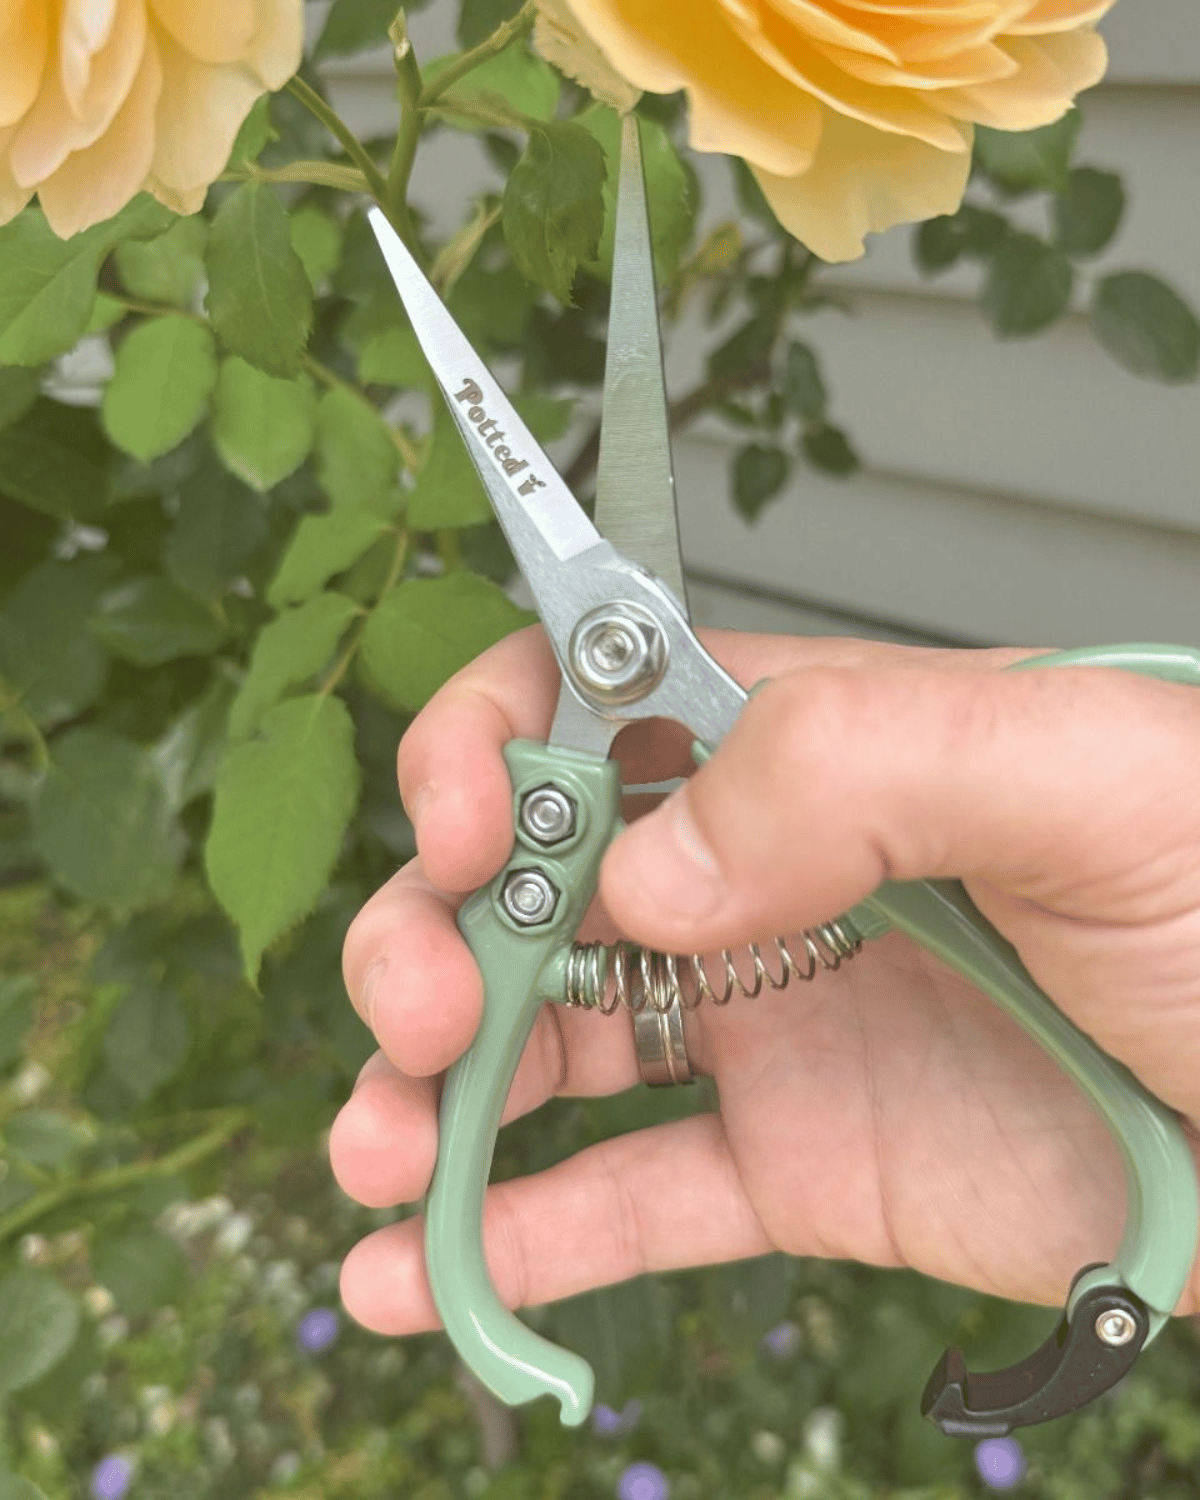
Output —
(1023, 161)
(759, 473)
(1147, 327)
(40, 1320)
(262, 427)
(1028, 286)
(1088, 211)
(554, 206)
(165, 372)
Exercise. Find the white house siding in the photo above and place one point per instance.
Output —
(1025, 491)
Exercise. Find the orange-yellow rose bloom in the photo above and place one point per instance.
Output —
(854, 114)
(100, 99)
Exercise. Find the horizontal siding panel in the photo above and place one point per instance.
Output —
(941, 561)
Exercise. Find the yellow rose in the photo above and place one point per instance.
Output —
(100, 99)
(854, 114)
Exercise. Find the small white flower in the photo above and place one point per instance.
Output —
(768, 1447)
(112, 1330)
(32, 1248)
(219, 1441)
(234, 1234)
(45, 1444)
(29, 1083)
(99, 1301)
(161, 1418)
(285, 1468)
(823, 1436)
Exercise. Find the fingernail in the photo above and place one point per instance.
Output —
(670, 863)
(370, 988)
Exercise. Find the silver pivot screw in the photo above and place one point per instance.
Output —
(1115, 1327)
(547, 815)
(529, 898)
(617, 653)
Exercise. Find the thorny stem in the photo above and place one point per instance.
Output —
(497, 42)
(338, 128)
(412, 122)
(117, 1178)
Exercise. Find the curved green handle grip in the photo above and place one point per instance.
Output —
(522, 967)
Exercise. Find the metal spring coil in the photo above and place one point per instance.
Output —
(602, 977)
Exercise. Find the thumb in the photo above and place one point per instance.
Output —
(1061, 786)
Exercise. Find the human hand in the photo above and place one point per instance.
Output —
(887, 1112)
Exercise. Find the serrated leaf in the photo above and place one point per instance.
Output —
(670, 192)
(169, 268)
(142, 1268)
(803, 388)
(55, 459)
(18, 1001)
(289, 650)
(40, 1319)
(759, 473)
(263, 428)
(394, 356)
(1147, 327)
(423, 631)
(50, 665)
(48, 285)
(282, 804)
(147, 1039)
(320, 547)
(259, 295)
(515, 75)
(1022, 161)
(447, 492)
(553, 212)
(1088, 211)
(192, 746)
(317, 240)
(101, 820)
(164, 373)
(827, 448)
(220, 525)
(253, 135)
(1028, 285)
(149, 621)
(18, 391)
(358, 464)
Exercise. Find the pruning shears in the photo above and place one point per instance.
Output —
(612, 599)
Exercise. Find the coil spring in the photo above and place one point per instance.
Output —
(602, 977)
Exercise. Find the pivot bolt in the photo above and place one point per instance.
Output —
(547, 815)
(529, 897)
(617, 653)
(1115, 1327)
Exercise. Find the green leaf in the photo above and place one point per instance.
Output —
(149, 621)
(394, 356)
(1087, 211)
(147, 1039)
(282, 805)
(1147, 327)
(423, 631)
(354, 25)
(55, 459)
(358, 464)
(746, 349)
(670, 192)
(317, 240)
(48, 285)
(516, 75)
(165, 372)
(624, 1332)
(1023, 161)
(289, 650)
(18, 391)
(253, 135)
(102, 821)
(259, 295)
(142, 1268)
(18, 1002)
(478, 19)
(219, 527)
(191, 749)
(827, 448)
(1028, 286)
(40, 1319)
(803, 388)
(13, 1487)
(320, 547)
(263, 428)
(50, 665)
(44, 1137)
(169, 268)
(554, 206)
(106, 313)
(759, 473)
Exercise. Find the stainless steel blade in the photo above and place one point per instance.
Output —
(635, 484)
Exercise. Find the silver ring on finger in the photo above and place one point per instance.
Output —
(661, 1046)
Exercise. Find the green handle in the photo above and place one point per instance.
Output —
(523, 966)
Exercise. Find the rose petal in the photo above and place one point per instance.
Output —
(24, 46)
(86, 26)
(864, 181)
(95, 183)
(1052, 70)
(278, 46)
(213, 31)
(201, 110)
(1060, 15)
(13, 197)
(53, 128)
(560, 39)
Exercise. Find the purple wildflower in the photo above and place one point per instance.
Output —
(606, 1422)
(1001, 1462)
(317, 1329)
(782, 1341)
(111, 1477)
(643, 1482)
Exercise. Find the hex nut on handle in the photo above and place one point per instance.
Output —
(617, 654)
(547, 815)
(1115, 1327)
(529, 897)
